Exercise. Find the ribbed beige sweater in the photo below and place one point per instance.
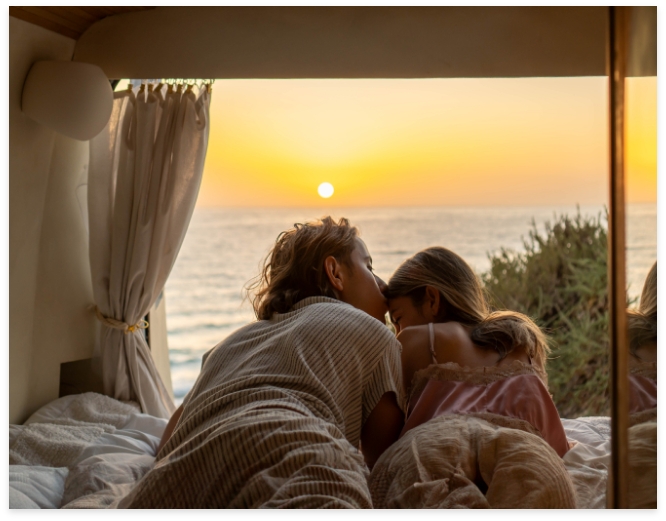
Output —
(275, 416)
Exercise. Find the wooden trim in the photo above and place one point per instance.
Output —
(32, 18)
(54, 17)
(82, 14)
(92, 11)
(71, 15)
(68, 21)
(105, 11)
(618, 485)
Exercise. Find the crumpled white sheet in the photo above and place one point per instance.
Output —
(104, 445)
(591, 430)
(85, 408)
(68, 429)
(587, 461)
(102, 481)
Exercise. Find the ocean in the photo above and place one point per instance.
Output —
(225, 247)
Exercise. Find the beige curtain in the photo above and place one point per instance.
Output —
(144, 176)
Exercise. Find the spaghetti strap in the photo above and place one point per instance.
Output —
(431, 330)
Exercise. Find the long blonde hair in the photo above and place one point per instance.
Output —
(642, 323)
(648, 304)
(462, 299)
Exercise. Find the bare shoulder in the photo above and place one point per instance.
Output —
(453, 343)
(452, 333)
(413, 336)
(445, 332)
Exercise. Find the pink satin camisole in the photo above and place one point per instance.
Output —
(511, 396)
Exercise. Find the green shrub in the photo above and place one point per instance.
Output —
(560, 281)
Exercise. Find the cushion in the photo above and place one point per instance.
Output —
(36, 486)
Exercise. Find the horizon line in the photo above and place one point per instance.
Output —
(411, 206)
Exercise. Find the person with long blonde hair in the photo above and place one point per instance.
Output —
(643, 322)
(642, 325)
(481, 429)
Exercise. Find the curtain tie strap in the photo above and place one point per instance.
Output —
(118, 324)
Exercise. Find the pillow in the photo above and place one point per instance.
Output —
(18, 499)
(36, 487)
(85, 407)
(14, 432)
(51, 411)
(141, 436)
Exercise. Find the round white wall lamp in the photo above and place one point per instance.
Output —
(72, 98)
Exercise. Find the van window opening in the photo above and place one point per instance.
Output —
(466, 164)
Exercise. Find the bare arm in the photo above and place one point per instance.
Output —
(168, 431)
(382, 428)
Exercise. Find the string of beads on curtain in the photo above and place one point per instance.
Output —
(178, 83)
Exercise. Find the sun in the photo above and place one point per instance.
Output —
(325, 190)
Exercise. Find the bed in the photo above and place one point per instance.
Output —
(88, 451)
(80, 451)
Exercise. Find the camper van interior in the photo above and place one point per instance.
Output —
(105, 168)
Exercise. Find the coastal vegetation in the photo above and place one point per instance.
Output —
(560, 281)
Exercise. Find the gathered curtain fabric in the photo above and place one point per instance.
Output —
(144, 175)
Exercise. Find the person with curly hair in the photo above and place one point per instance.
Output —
(281, 407)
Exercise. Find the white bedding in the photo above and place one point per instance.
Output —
(88, 451)
(587, 461)
(80, 451)
(36, 486)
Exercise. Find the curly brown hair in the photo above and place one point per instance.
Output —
(294, 268)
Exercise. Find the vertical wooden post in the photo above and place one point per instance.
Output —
(618, 18)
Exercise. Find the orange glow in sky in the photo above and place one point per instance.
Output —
(531, 141)
(641, 140)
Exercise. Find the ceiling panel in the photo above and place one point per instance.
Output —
(349, 42)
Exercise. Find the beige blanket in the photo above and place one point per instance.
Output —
(643, 465)
(444, 462)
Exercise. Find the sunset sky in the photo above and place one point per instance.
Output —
(532, 141)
